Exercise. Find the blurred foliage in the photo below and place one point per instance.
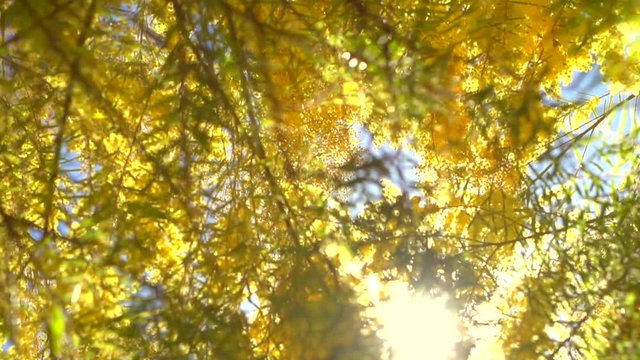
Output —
(187, 179)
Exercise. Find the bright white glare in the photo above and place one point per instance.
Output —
(417, 326)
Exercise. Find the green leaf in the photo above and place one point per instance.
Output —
(56, 329)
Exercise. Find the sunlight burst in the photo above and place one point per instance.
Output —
(417, 326)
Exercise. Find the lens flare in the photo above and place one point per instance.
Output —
(417, 326)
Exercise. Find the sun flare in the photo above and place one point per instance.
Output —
(417, 326)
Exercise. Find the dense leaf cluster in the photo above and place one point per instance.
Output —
(192, 179)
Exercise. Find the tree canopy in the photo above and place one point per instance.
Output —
(247, 179)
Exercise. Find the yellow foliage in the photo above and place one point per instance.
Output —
(165, 164)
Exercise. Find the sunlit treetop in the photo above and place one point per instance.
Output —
(274, 179)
